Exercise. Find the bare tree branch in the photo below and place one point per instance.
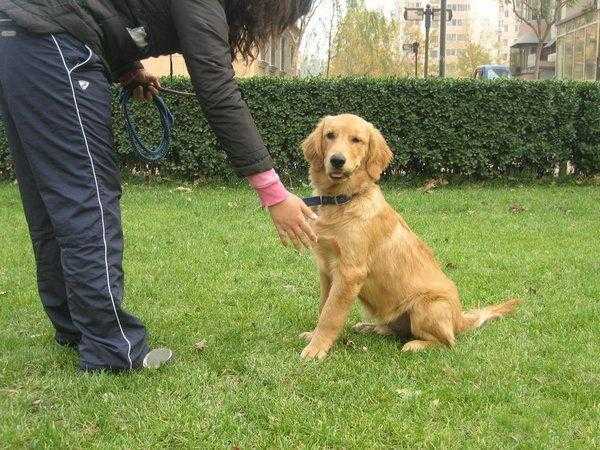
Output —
(544, 15)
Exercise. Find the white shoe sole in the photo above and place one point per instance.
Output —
(157, 358)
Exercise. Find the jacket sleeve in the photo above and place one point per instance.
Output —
(121, 73)
(203, 32)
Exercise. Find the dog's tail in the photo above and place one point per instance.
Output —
(477, 317)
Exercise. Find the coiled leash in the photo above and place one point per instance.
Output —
(167, 120)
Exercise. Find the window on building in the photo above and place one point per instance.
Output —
(579, 56)
(273, 48)
(560, 57)
(276, 53)
(284, 46)
(591, 48)
(265, 54)
(568, 58)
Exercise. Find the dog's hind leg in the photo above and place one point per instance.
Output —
(432, 324)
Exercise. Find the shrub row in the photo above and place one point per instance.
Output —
(474, 129)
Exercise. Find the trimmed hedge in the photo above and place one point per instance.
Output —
(470, 128)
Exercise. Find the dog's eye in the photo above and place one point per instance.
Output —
(356, 140)
(330, 135)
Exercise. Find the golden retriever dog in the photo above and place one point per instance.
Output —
(366, 250)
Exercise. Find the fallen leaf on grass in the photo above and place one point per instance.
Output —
(409, 393)
(90, 429)
(289, 287)
(35, 405)
(200, 345)
(9, 391)
(348, 343)
(183, 189)
(517, 208)
(434, 183)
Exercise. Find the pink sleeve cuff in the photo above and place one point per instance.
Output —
(269, 188)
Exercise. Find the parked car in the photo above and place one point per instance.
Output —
(492, 71)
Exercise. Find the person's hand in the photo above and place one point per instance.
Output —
(143, 85)
(291, 221)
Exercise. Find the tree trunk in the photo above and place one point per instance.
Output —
(538, 59)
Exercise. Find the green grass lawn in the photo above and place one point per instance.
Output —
(206, 265)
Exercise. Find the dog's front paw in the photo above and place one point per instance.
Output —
(306, 336)
(315, 350)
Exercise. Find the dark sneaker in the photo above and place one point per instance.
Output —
(157, 358)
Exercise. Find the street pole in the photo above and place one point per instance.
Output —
(428, 14)
(416, 50)
(443, 9)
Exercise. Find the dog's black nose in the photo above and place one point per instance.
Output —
(338, 160)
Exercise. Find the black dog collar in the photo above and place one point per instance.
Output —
(324, 200)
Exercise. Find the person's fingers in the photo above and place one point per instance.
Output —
(282, 237)
(308, 212)
(303, 237)
(156, 83)
(153, 90)
(138, 93)
(306, 228)
(148, 94)
(295, 240)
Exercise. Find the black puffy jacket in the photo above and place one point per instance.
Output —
(123, 32)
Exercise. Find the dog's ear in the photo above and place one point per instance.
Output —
(313, 146)
(380, 155)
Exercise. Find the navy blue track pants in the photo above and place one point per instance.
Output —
(55, 98)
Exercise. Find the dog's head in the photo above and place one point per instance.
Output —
(344, 148)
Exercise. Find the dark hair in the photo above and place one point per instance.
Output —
(253, 22)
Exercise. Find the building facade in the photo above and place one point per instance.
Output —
(578, 32)
(523, 52)
(507, 30)
(277, 58)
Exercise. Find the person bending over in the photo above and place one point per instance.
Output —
(57, 60)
